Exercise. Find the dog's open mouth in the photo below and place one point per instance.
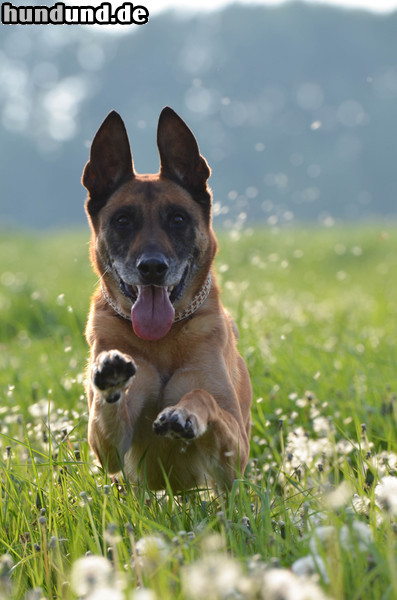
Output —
(152, 311)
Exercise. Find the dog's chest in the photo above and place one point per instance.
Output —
(151, 456)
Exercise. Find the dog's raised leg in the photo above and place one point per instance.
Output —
(112, 373)
(223, 440)
(109, 429)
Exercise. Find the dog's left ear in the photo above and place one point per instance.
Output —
(180, 157)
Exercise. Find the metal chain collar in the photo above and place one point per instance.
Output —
(179, 316)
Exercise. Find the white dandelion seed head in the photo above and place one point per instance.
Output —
(386, 494)
(214, 577)
(151, 544)
(280, 584)
(152, 551)
(213, 544)
(91, 573)
(338, 497)
(389, 459)
(309, 566)
(144, 594)
(361, 504)
(35, 594)
(316, 519)
(358, 534)
(39, 410)
(105, 593)
(322, 425)
(344, 447)
(304, 567)
(305, 450)
(6, 564)
(353, 537)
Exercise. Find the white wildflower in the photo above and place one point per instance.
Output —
(144, 594)
(357, 534)
(280, 584)
(213, 544)
(304, 567)
(35, 594)
(316, 519)
(361, 504)
(344, 447)
(383, 463)
(6, 565)
(386, 495)
(152, 551)
(39, 410)
(91, 573)
(307, 566)
(325, 546)
(214, 577)
(338, 497)
(106, 593)
(325, 538)
(304, 450)
(321, 425)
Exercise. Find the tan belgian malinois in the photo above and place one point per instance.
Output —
(169, 395)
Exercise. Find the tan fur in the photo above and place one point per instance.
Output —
(195, 369)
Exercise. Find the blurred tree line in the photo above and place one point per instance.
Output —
(293, 106)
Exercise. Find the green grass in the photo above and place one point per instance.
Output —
(317, 312)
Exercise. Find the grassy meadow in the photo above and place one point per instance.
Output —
(315, 515)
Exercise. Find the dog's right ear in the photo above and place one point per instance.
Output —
(110, 162)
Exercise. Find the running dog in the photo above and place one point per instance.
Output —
(169, 395)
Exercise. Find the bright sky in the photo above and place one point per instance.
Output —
(156, 6)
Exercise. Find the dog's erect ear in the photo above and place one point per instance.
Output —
(110, 161)
(180, 157)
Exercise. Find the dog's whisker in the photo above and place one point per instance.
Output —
(99, 280)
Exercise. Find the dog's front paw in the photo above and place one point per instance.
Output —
(112, 372)
(177, 423)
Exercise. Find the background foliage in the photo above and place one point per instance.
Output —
(293, 106)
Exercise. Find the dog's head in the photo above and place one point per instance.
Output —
(152, 240)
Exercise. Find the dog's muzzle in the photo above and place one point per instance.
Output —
(152, 269)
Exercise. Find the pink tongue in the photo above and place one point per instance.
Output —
(152, 314)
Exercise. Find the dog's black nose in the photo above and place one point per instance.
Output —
(152, 268)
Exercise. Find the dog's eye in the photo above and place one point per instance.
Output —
(122, 221)
(178, 220)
